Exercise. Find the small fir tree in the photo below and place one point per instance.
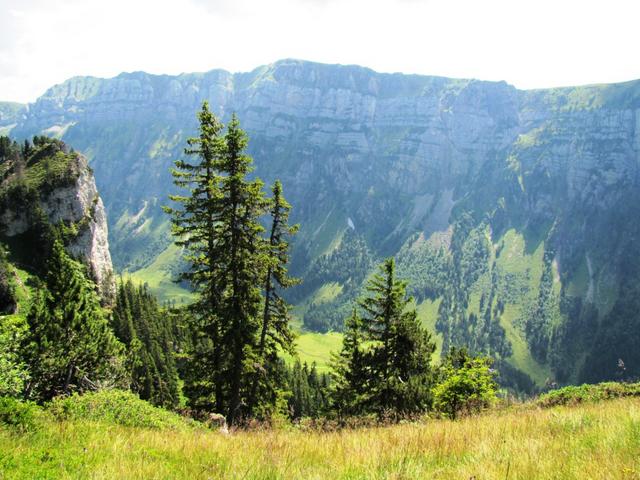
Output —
(350, 373)
(392, 375)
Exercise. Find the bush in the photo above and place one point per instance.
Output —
(119, 407)
(467, 385)
(574, 395)
(23, 416)
(13, 372)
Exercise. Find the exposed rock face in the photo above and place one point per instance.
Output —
(91, 244)
(79, 205)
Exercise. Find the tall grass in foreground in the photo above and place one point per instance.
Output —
(599, 440)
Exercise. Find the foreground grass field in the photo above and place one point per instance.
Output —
(590, 441)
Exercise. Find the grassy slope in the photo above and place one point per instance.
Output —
(317, 347)
(598, 441)
(516, 260)
(428, 315)
(24, 295)
(158, 277)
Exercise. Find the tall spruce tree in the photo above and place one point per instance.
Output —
(193, 225)
(218, 223)
(70, 345)
(240, 253)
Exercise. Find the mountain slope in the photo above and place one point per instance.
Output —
(513, 213)
(10, 114)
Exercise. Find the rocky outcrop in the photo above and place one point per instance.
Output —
(81, 204)
(79, 207)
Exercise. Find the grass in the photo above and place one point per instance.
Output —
(579, 283)
(317, 347)
(515, 260)
(158, 277)
(595, 441)
(314, 346)
(328, 234)
(53, 170)
(521, 357)
(117, 407)
(327, 293)
(575, 394)
(5, 130)
(428, 315)
(24, 293)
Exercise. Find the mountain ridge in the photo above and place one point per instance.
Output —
(300, 61)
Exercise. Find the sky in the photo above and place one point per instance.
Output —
(530, 44)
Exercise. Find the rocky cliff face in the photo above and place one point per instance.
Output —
(83, 203)
(68, 198)
(548, 176)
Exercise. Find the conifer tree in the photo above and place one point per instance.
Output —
(394, 373)
(319, 386)
(70, 345)
(229, 262)
(275, 331)
(308, 391)
(194, 227)
(401, 352)
(239, 251)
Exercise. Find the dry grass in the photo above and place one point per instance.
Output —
(595, 441)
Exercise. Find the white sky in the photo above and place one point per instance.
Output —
(528, 43)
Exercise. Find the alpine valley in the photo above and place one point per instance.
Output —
(513, 214)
